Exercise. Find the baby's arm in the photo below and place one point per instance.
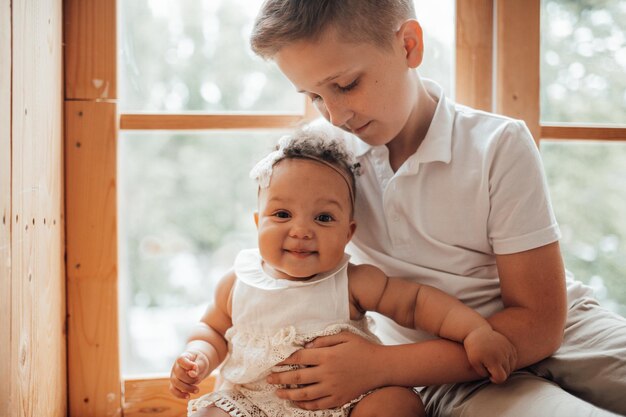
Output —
(423, 307)
(206, 347)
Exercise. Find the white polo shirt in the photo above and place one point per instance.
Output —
(474, 188)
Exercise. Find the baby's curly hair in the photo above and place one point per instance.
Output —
(316, 142)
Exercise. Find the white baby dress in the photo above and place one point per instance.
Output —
(272, 318)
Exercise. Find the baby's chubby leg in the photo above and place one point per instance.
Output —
(209, 412)
(390, 401)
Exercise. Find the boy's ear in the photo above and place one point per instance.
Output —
(256, 218)
(413, 42)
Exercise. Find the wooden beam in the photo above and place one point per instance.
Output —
(6, 358)
(90, 53)
(95, 387)
(207, 121)
(37, 348)
(517, 70)
(90, 198)
(474, 53)
(583, 132)
(151, 397)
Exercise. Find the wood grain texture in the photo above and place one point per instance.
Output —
(138, 121)
(90, 180)
(583, 132)
(517, 70)
(474, 53)
(150, 397)
(90, 58)
(5, 207)
(37, 348)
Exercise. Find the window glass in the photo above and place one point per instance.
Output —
(438, 22)
(588, 188)
(583, 61)
(179, 56)
(186, 208)
(195, 56)
(185, 200)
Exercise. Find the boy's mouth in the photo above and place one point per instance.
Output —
(361, 129)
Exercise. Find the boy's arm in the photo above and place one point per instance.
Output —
(533, 292)
(535, 302)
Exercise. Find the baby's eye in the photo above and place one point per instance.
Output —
(324, 218)
(282, 214)
(346, 88)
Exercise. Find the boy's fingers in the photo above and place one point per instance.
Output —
(303, 376)
(327, 341)
(302, 357)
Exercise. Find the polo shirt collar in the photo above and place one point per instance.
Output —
(437, 145)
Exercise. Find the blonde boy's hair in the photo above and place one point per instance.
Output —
(281, 22)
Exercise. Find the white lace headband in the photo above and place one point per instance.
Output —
(262, 171)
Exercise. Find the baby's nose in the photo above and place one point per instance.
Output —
(301, 231)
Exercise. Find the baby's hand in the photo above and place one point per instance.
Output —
(188, 370)
(490, 353)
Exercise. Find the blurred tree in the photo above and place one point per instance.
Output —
(186, 200)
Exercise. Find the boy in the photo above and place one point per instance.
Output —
(455, 198)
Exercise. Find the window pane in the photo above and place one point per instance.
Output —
(194, 56)
(186, 203)
(437, 19)
(588, 187)
(583, 61)
(185, 209)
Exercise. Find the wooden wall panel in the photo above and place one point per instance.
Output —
(37, 341)
(5, 206)
(93, 345)
(517, 80)
(474, 53)
(90, 58)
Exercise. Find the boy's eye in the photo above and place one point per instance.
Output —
(315, 98)
(324, 218)
(346, 88)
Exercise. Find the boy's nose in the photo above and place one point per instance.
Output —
(336, 113)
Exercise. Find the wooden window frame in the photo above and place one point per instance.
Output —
(508, 84)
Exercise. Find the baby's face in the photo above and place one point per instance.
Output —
(304, 219)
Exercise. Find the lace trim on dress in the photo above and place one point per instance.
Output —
(237, 405)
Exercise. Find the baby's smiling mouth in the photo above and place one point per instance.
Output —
(300, 253)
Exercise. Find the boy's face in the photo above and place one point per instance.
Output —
(304, 219)
(359, 87)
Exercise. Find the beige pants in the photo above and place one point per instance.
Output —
(585, 377)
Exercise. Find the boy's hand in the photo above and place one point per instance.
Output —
(490, 353)
(188, 370)
(336, 369)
